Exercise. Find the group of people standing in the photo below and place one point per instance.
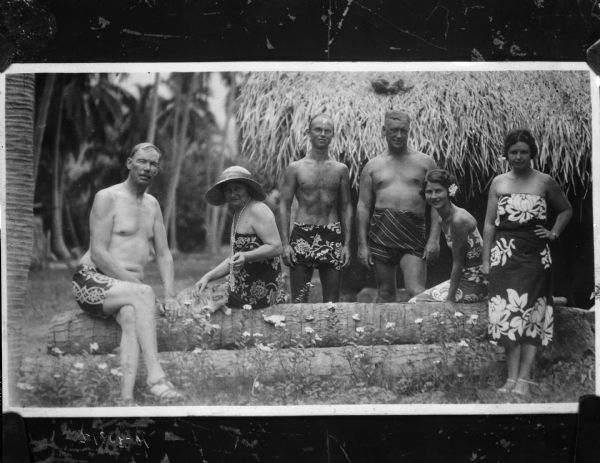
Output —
(510, 265)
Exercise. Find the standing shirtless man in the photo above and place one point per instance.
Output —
(319, 238)
(395, 233)
(125, 224)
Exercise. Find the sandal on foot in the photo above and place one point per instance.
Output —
(528, 383)
(508, 386)
(164, 389)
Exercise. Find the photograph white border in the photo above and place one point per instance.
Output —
(300, 410)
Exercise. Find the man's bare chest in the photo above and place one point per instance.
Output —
(318, 179)
(401, 175)
(133, 220)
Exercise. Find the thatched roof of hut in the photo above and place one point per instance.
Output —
(459, 118)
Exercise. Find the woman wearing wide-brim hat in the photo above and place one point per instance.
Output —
(254, 268)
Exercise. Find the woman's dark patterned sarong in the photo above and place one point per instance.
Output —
(520, 310)
(393, 233)
(317, 245)
(260, 283)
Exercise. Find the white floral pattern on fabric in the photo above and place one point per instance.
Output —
(521, 208)
(520, 272)
(546, 257)
(498, 317)
(501, 252)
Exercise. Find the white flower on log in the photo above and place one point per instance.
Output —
(309, 330)
(418, 321)
(25, 386)
(264, 348)
(94, 347)
(78, 365)
(356, 317)
(360, 329)
(276, 320)
(390, 325)
(473, 319)
(103, 366)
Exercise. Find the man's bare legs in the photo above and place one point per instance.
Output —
(300, 275)
(138, 330)
(130, 350)
(414, 271)
(330, 282)
(385, 275)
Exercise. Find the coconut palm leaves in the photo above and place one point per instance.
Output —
(458, 118)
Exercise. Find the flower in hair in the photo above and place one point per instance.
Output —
(452, 189)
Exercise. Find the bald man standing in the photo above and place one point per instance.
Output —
(395, 234)
(321, 235)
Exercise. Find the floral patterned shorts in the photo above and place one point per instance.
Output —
(317, 245)
(90, 287)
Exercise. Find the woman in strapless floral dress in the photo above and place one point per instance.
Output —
(517, 256)
(466, 283)
(253, 268)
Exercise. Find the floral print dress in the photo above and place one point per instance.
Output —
(520, 271)
(260, 283)
(472, 286)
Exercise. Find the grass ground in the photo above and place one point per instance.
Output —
(90, 383)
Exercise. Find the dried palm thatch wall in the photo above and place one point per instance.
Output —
(460, 118)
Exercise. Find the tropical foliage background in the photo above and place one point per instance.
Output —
(85, 125)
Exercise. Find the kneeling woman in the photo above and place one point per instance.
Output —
(254, 268)
(466, 282)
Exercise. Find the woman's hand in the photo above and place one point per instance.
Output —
(200, 286)
(289, 256)
(544, 233)
(238, 260)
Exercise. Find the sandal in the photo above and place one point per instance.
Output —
(525, 382)
(164, 389)
(509, 385)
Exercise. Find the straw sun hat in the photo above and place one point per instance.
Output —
(215, 195)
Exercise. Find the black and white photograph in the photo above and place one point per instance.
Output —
(285, 238)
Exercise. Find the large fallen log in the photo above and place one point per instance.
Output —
(269, 363)
(320, 325)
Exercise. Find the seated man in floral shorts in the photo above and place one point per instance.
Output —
(125, 225)
(321, 234)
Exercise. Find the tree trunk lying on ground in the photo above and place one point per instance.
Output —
(266, 364)
(316, 325)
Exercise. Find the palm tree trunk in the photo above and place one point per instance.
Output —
(153, 111)
(40, 122)
(58, 240)
(179, 156)
(19, 112)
